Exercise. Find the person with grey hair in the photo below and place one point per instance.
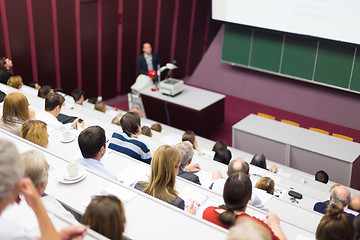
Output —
(12, 184)
(236, 166)
(187, 152)
(340, 195)
(249, 229)
(36, 168)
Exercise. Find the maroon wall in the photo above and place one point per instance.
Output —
(46, 47)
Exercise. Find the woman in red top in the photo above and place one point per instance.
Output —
(237, 193)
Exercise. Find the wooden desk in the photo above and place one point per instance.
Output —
(193, 109)
(299, 148)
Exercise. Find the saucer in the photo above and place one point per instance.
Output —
(69, 140)
(66, 179)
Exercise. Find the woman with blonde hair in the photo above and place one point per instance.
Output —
(35, 131)
(106, 215)
(15, 111)
(164, 168)
(266, 184)
(15, 82)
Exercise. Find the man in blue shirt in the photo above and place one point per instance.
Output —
(127, 142)
(92, 143)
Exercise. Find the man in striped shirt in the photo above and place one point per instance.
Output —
(127, 142)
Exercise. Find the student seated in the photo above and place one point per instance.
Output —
(259, 160)
(5, 65)
(127, 142)
(145, 130)
(106, 215)
(92, 143)
(15, 111)
(220, 144)
(190, 136)
(248, 228)
(78, 96)
(35, 131)
(339, 194)
(223, 155)
(116, 119)
(187, 152)
(164, 168)
(53, 105)
(12, 184)
(44, 91)
(37, 169)
(237, 193)
(335, 225)
(100, 106)
(238, 165)
(266, 184)
(156, 127)
(321, 176)
(15, 82)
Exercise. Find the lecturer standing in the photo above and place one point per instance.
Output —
(148, 60)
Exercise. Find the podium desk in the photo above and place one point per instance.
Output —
(193, 109)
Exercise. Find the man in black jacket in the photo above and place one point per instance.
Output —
(148, 60)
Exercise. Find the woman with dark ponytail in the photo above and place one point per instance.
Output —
(237, 193)
(335, 225)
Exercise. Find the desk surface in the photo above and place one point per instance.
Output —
(327, 145)
(190, 97)
(267, 128)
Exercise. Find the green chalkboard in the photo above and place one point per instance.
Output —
(311, 59)
(266, 51)
(334, 64)
(355, 80)
(236, 44)
(299, 57)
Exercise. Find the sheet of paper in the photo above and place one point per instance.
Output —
(122, 193)
(205, 178)
(283, 173)
(133, 174)
(189, 195)
(171, 139)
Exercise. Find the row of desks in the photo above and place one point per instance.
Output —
(92, 117)
(70, 150)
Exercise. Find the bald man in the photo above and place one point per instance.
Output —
(338, 195)
(355, 203)
(236, 165)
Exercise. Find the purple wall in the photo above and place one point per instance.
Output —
(94, 44)
(323, 103)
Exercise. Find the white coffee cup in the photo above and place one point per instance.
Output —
(67, 136)
(72, 169)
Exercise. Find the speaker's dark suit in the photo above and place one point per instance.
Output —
(141, 65)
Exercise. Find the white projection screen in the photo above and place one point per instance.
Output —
(329, 19)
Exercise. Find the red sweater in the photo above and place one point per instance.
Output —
(211, 215)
